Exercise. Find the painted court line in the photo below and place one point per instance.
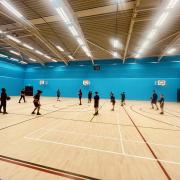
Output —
(120, 134)
(46, 169)
(149, 147)
(104, 151)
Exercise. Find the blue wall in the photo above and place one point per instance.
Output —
(11, 77)
(137, 80)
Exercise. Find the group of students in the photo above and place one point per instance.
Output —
(37, 105)
(154, 100)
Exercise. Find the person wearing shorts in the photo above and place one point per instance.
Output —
(96, 103)
(161, 101)
(22, 96)
(80, 97)
(36, 102)
(89, 96)
(154, 99)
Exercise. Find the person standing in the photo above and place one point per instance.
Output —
(96, 103)
(80, 97)
(22, 96)
(161, 101)
(113, 101)
(123, 98)
(154, 99)
(4, 99)
(89, 96)
(37, 102)
(58, 95)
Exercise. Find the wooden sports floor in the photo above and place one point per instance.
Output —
(68, 142)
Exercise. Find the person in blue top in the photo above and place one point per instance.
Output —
(161, 101)
(154, 99)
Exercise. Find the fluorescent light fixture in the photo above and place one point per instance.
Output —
(1, 32)
(85, 49)
(3, 56)
(171, 51)
(46, 56)
(11, 8)
(171, 4)
(23, 62)
(60, 48)
(145, 44)
(13, 39)
(115, 43)
(27, 46)
(88, 54)
(162, 19)
(14, 52)
(79, 40)
(70, 57)
(39, 52)
(152, 33)
(13, 59)
(115, 54)
(137, 56)
(63, 15)
(34, 60)
(54, 60)
(73, 30)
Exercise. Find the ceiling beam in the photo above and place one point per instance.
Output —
(27, 25)
(22, 50)
(131, 28)
(79, 14)
(170, 44)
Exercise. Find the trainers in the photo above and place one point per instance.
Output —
(5, 113)
(161, 113)
(38, 113)
(33, 113)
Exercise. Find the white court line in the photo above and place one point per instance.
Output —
(105, 137)
(104, 151)
(120, 134)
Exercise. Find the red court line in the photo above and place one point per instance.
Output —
(46, 169)
(149, 147)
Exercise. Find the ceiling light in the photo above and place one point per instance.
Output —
(3, 56)
(70, 57)
(39, 52)
(54, 60)
(73, 30)
(34, 60)
(1, 32)
(46, 56)
(171, 51)
(60, 48)
(23, 62)
(79, 40)
(115, 43)
(13, 59)
(85, 49)
(162, 19)
(14, 52)
(88, 54)
(172, 3)
(115, 54)
(137, 56)
(27, 46)
(152, 33)
(63, 15)
(13, 39)
(11, 8)
(145, 44)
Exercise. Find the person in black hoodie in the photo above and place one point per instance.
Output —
(4, 99)
(37, 103)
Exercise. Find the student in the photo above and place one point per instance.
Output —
(111, 94)
(37, 102)
(96, 103)
(161, 101)
(80, 97)
(58, 95)
(154, 99)
(4, 99)
(123, 98)
(22, 96)
(89, 96)
(113, 100)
